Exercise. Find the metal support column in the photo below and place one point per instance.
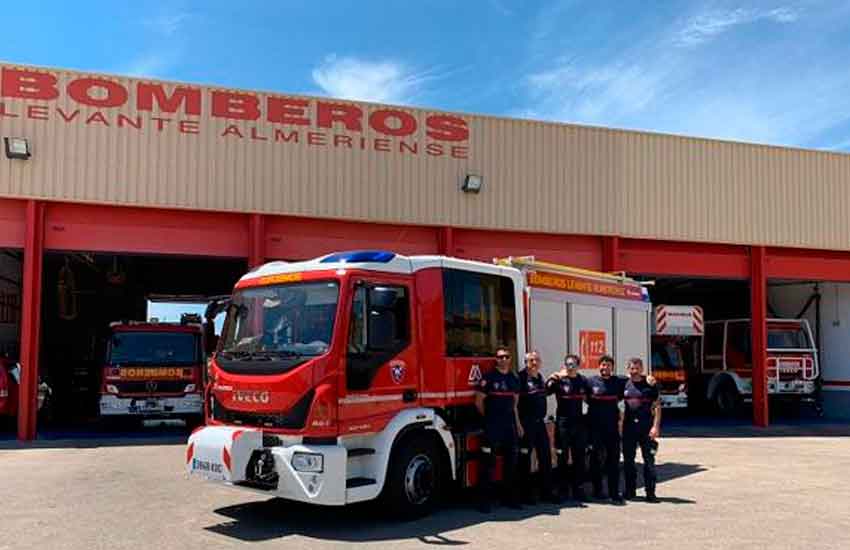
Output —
(256, 240)
(611, 254)
(758, 308)
(31, 320)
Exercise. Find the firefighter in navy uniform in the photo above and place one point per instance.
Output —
(532, 415)
(496, 399)
(570, 388)
(641, 428)
(605, 392)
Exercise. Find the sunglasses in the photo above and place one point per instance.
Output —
(571, 364)
(503, 357)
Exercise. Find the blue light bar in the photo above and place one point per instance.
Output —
(359, 256)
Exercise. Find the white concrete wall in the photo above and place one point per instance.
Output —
(835, 336)
(10, 268)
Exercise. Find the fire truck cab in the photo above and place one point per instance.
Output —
(154, 370)
(676, 351)
(352, 376)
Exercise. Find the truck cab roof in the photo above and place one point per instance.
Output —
(379, 261)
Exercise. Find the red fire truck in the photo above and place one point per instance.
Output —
(154, 370)
(10, 378)
(676, 351)
(352, 376)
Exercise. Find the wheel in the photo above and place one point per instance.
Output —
(414, 478)
(727, 400)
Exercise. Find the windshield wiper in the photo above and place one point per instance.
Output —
(258, 355)
(282, 353)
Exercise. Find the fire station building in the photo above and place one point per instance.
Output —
(114, 191)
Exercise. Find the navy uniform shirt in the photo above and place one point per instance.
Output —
(499, 390)
(639, 397)
(532, 397)
(571, 393)
(603, 399)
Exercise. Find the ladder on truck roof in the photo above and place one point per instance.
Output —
(530, 263)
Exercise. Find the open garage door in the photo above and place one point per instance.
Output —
(84, 294)
(686, 360)
(11, 261)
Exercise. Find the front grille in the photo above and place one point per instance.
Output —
(293, 420)
(147, 387)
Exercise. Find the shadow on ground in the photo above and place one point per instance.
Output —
(275, 518)
(742, 427)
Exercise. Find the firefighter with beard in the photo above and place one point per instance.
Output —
(496, 400)
(605, 392)
(570, 388)
(641, 428)
(532, 415)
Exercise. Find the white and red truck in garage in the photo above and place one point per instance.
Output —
(792, 362)
(352, 376)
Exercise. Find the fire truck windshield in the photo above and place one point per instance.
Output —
(272, 322)
(153, 348)
(787, 337)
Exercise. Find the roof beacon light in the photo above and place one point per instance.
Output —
(359, 256)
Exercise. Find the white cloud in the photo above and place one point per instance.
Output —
(158, 59)
(379, 81)
(790, 90)
(167, 24)
(705, 26)
(151, 64)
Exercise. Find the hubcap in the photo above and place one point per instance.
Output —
(419, 479)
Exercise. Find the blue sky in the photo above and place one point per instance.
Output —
(770, 72)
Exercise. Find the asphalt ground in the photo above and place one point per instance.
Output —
(721, 486)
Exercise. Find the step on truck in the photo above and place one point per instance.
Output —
(154, 370)
(792, 367)
(352, 377)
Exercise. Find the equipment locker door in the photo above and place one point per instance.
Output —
(632, 335)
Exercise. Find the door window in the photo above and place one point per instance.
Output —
(379, 330)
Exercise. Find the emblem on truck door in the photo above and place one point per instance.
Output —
(397, 371)
(474, 375)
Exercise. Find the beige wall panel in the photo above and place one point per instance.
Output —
(538, 176)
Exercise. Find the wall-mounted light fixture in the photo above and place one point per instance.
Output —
(472, 184)
(17, 148)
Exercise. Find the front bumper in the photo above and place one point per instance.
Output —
(674, 400)
(189, 404)
(792, 387)
(229, 454)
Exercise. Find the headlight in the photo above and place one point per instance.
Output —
(683, 388)
(111, 389)
(190, 388)
(308, 462)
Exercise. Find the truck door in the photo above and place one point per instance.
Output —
(381, 370)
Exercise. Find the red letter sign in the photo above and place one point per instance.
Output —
(349, 115)
(80, 91)
(236, 106)
(406, 126)
(190, 98)
(28, 85)
(447, 128)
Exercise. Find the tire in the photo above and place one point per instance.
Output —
(727, 400)
(415, 478)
